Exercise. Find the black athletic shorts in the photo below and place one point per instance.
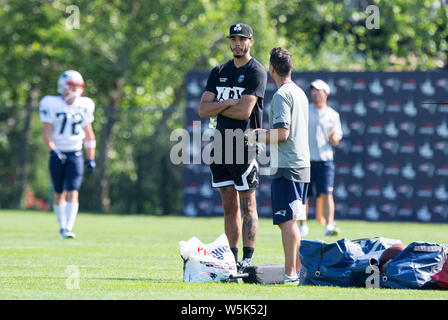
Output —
(242, 176)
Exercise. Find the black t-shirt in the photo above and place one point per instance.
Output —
(229, 82)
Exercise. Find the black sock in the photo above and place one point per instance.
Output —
(248, 252)
(235, 253)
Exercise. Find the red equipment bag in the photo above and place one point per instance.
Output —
(441, 277)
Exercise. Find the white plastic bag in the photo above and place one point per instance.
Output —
(211, 262)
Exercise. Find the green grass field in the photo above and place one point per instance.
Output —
(137, 257)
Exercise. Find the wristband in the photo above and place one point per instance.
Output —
(90, 144)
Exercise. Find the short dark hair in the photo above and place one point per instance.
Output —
(281, 60)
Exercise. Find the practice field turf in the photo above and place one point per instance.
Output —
(137, 257)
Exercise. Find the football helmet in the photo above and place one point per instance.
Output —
(70, 85)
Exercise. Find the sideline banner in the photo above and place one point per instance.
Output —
(391, 165)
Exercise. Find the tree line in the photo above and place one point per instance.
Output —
(134, 56)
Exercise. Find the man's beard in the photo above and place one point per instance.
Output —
(245, 50)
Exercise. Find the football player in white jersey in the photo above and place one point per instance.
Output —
(67, 121)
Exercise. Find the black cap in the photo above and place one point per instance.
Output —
(242, 30)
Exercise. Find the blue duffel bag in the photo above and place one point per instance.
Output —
(344, 263)
(413, 267)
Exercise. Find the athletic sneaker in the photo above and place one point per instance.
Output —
(303, 228)
(331, 230)
(70, 235)
(243, 264)
(65, 234)
(294, 279)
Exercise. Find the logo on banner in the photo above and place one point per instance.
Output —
(358, 171)
(205, 190)
(344, 145)
(358, 147)
(407, 190)
(390, 209)
(441, 193)
(443, 108)
(425, 192)
(410, 109)
(355, 210)
(442, 146)
(190, 210)
(409, 84)
(392, 146)
(427, 88)
(442, 130)
(340, 191)
(194, 89)
(376, 88)
(373, 191)
(356, 189)
(406, 211)
(408, 147)
(358, 127)
(428, 168)
(344, 168)
(345, 83)
(378, 105)
(376, 168)
(389, 192)
(341, 208)
(428, 128)
(395, 106)
(393, 83)
(346, 106)
(408, 172)
(443, 83)
(390, 129)
(392, 169)
(442, 211)
(360, 108)
(375, 128)
(374, 150)
(372, 213)
(408, 127)
(425, 151)
(443, 171)
(430, 107)
(360, 84)
(423, 214)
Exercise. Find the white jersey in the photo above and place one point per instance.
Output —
(68, 120)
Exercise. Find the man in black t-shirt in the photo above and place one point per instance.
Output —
(234, 95)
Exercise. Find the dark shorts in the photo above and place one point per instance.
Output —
(322, 178)
(67, 176)
(243, 176)
(288, 200)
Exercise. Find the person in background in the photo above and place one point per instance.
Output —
(67, 121)
(325, 133)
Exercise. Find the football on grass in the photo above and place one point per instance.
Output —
(389, 254)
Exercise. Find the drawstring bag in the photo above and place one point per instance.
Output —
(213, 262)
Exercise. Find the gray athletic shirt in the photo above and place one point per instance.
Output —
(289, 109)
